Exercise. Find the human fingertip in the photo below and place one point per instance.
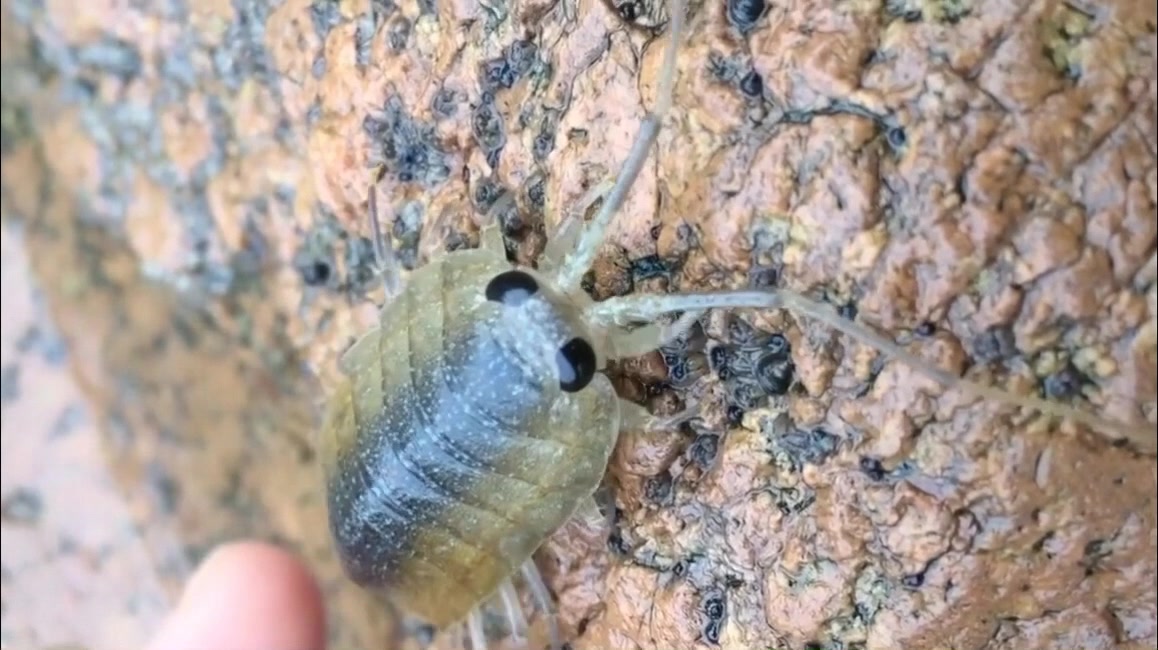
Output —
(247, 596)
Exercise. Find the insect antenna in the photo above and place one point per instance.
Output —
(623, 310)
(570, 274)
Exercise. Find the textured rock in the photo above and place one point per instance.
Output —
(184, 194)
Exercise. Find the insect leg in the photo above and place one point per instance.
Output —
(570, 274)
(490, 233)
(476, 632)
(649, 307)
(634, 417)
(514, 611)
(542, 597)
(644, 339)
(593, 515)
(384, 257)
(566, 235)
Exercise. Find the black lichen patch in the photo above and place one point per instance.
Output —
(16, 125)
(793, 499)
(704, 449)
(248, 260)
(22, 506)
(719, 358)
(325, 15)
(744, 393)
(361, 265)
(407, 148)
(382, 8)
(994, 344)
(1094, 555)
(873, 468)
(734, 415)
(537, 195)
(496, 74)
(315, 259)
(545, 139)
(896, 137)
(714, 606)
(487, 191)
(398, 33)
(364, 31)
(242, 55)
(45, 342)
(511, 220)
(445, 102)
(617, 541)
(797, 448)
(1065, 383)
(521, 56)
(737, 72)
(725, 68)
(111, 56)
(315, 271)
(165, 488)
(658, 489)
(763, 277)
(628, 11)
(489, 130)
(752, 84)
(644, 15)
(753, 365)
(648, 267)
(407, 230)
(906, 10)
(778, 347)
(741, 333)
(744, 14)
(684, 369)
(913, 580)
(513, 64)
(9, 383)
(774, 374)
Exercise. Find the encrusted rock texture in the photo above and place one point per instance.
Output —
(186, 248)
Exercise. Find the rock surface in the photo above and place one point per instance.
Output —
(184, 190)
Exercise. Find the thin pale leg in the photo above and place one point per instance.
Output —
(588, 513)
(490, 233)
(386, 267)
(456, 631)
(644, 308)
(576, 263)
(566, 234)
(633, 417)
(542, 598)
(513, 609)
(384, 258)
(644, 339)
(475, 631)
(593, 516)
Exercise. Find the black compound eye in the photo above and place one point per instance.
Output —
(576, 362)
(511, 287)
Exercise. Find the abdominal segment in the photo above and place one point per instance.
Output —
(446, 493)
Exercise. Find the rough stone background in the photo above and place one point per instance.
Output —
(183, 232)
